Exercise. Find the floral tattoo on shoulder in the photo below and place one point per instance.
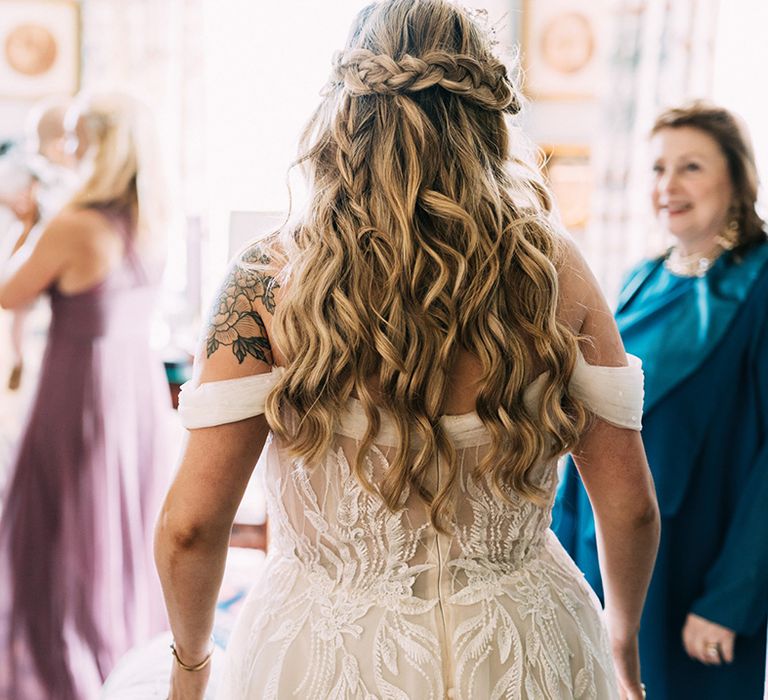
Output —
(234, 320)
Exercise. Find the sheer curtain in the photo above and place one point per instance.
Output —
(154, 50)
(662, 54)
(232, 84)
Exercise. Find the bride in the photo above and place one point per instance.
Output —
(413, 356)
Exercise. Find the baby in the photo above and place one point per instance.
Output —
(36, 181)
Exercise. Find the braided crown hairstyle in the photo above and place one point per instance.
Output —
(418, 243)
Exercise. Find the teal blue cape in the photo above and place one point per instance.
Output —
(704, 347)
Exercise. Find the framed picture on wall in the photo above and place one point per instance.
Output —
(39, 48)
(563, 47)
(568, 169)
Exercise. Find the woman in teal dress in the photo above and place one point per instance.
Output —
(698, 319)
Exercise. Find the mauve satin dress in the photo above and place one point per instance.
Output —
(78, 586)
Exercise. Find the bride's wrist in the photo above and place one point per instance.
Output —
(621, 631)
(192, 656)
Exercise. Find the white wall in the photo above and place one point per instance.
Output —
(264, 71)
(741, 65)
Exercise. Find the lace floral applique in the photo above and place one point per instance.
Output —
(380, 609)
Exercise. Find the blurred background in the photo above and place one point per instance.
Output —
(232, 82)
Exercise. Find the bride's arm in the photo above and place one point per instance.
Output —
(193, 530)
(613, 467)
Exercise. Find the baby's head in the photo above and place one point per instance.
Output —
(46, 131)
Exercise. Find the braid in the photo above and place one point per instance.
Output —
(353, 134)
(485, 83)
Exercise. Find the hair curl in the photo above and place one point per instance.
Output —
(418, 243)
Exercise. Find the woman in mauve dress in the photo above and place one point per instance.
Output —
(77, 583)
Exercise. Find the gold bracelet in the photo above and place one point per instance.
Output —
(196, 667)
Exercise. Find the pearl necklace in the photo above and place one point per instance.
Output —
(695, 265)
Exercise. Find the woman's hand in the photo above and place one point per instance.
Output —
(626, 659)
(188, 685)
(708, 642)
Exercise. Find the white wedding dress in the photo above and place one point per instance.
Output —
(356, 601)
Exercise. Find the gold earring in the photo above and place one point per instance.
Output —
(730, 237)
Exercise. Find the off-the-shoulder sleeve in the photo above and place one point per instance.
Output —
(614, 394)
(226, 401)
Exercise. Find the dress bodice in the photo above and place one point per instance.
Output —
(338, 555)
(120, 306)
(323, 515)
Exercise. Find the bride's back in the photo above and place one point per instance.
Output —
(360, 599)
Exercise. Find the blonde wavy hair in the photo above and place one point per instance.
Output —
(418, 243)
(127, 166)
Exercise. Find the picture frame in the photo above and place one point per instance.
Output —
(564, 48)
(569, 171)
(39, 48)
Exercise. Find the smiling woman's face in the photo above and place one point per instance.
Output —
(692, 190)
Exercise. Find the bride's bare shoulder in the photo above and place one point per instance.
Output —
(578, 289)
(237, 341)
(583, 307)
